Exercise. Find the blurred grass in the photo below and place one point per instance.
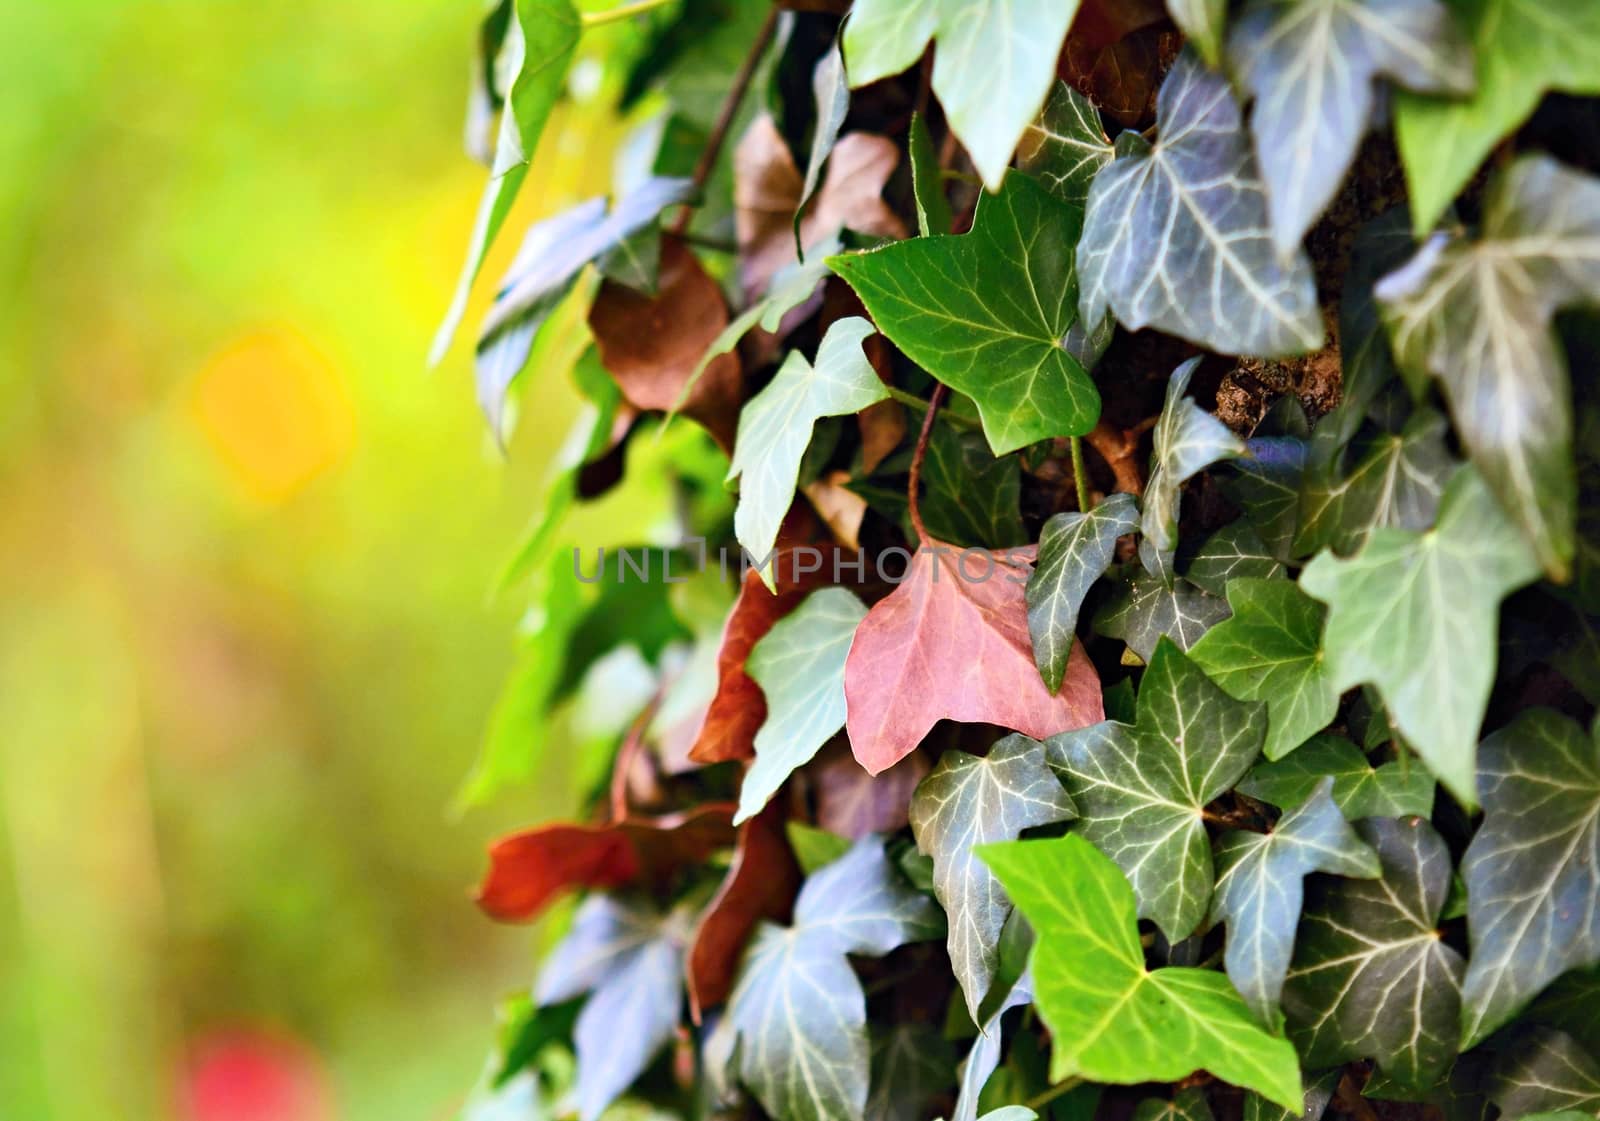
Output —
(246, 651)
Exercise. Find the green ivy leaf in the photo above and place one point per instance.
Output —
(1066, 146)
(1266, 484)
(1111, 1019)
(1530, 870)
(1522, 49)
(797, 1010)
(1545, 1071)
(539, 43)
(1234, 552)
(1572, 1004)
(1271, 650)
(1202, 22)
(972, 498)
(1187, 440)
(1146, 610)
(629, 958)
(1141, 790)
(799, 665)
(967, 801)
(927, 187)
(775, 427)
(1176, 235)
(1311, 66)
(832, 95)
(984, 1057)
(1371, 978)
(1260, 890)
(1367, 364)
(1397, 482)
(1476, 315)
(1359, 789)
(1319, 1092)
(993, 66)
(986, 312)
(911, 1066)
(1075, 549)
(1415, 615)
(1187, 1104)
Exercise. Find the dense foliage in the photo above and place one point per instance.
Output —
(1168, 444)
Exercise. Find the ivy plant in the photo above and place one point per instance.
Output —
(1092, 596)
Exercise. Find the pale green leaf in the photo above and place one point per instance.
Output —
(1066, 146)
(1260, 890)
(927, 187)
(1176, 235)
(1075, 549)
(775, 427)
(799, 665)
(1202, 23)
(986, 312)
(1371, 978)
(993, 66)
(1111, 1019)
(1522, 48)
(1146, 609)
(1141, 789)
(1477, 316)
(967, 801)
(832, 96)
(1312, 66)
(1187, 440)
(1271, 650)
(1415, 615)
(1234, 552)
(1531, 872)
(1396, 789)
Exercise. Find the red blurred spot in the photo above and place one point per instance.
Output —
(245, 1075)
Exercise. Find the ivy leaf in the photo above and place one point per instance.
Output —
(984, 1056)
(800, 668)
(1176, 234)
(1146, 610)
(528, 870)
(798, 1012)
(1234, 552)
(1397, 481)
(972, 498)
(1476, 315)
(1311, 66)
(1380, 246)
(968, 801)
(629, 957)
(1259, 891)
(1066, 146)
(540, 39)
(1572, 1004)
(913, 659)
(1530, 870)
(1522, 48)
(911, 1065)
(1188, 1104)
(775, 427)
(927, 188)
(1371, 978)
(993, 66)
(986, 312)
(1319, 1092)
(853, 803)
(1359, 789)
(1271, 650)
(760, 885)
(1415, 614)
(832, 94)
(1187, 440)
(1266, 484)
(1544, 1071)
(1201, 22)
(1111, 1019)
(1141, 790)
(1075, 549)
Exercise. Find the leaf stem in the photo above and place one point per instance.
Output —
(911, 400)
(725, 115)
(619, 13)
(1045, 1097)
(1080, 474)
(939, 394)
(632, 744)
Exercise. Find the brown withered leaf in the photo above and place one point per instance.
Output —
(852, 803)
(841, 508)
(951, 642)
(1100, 23)
(738, 708)
(767, 187)
(1122, 77)
(883, 426)
(651, 345)
(761, 884)
(527, 870)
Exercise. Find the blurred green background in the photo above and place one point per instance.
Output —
(247, 645)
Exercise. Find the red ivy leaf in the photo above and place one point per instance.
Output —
(946, 644)
(760, 884)
(528, 870)
(852, 803)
